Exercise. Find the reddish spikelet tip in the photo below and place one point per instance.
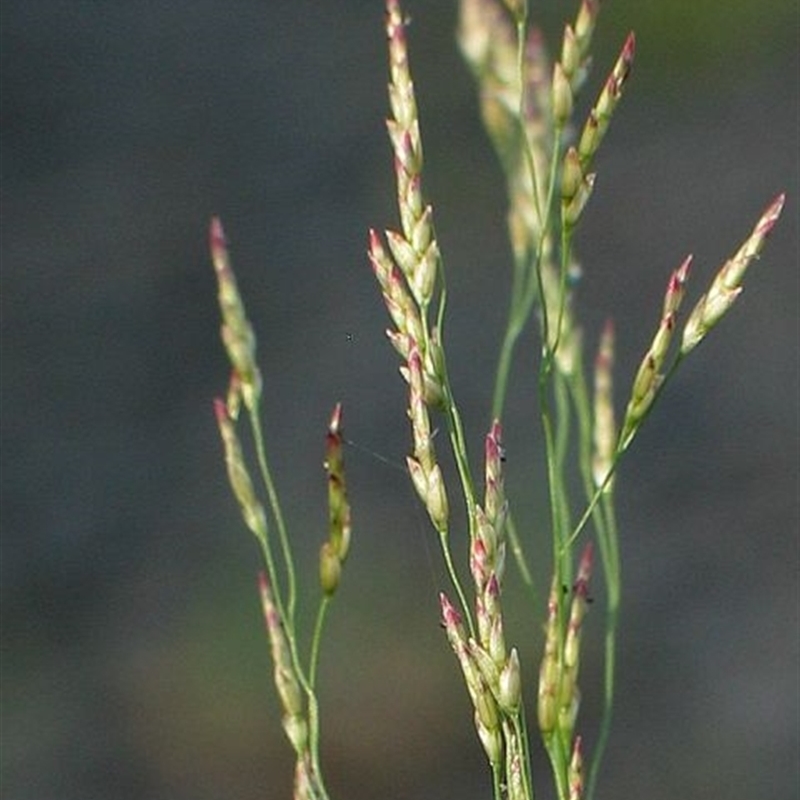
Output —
(494, 443)
(629, 49)
(682, 273)
(221, 411)
(216, 236)
(584, 571)
(336, 419)
(605, 351)
(771, 215)
(374, 241)
(415, 359)
(449, 614)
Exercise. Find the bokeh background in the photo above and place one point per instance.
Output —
(133, 660)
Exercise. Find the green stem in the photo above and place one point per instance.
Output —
(458, 446)
(316, 639)
(521, 731)
(610, 557)
(513, 330)
(451, 571)
(560, 763)
(497, 782)
(519, 557)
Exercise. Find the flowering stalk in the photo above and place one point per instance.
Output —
(295, 685)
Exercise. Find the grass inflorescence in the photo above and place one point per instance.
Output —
(527, 102)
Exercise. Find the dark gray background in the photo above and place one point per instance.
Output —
(134, 664)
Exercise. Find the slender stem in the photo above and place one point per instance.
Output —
(519, 556)
(549, 352)
(316, 639)
(497, 781)
(554, 483)
(610, 557)
(455, 426)
(275, 505)
(451, 571)
(559, 762)
(622, 448)
(521, 731)
(459, 448)
(513, 330)
(313, 725)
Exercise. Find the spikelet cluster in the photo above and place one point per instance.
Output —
(523, 132)
(577, 180)
(727, 284)
(286, 681)
(238, 474)
(559, 694)
(650, 375)
(406, 271)
(491, 672)
(237, 332)
(709, 309)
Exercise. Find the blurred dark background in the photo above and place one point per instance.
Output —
(133, 660)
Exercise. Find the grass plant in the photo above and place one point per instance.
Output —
(527, 102)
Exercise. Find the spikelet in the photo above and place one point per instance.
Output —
(605, 430)
(487, 714)
(408, 269)
(294, 721)
(237, 333)
(569, 693)
(550, 669)
(426, 474)
(600, 116)
(238, 475)
(334, 551)
(575, 771)
(577, 181)
(649, 376)
(727, 284)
